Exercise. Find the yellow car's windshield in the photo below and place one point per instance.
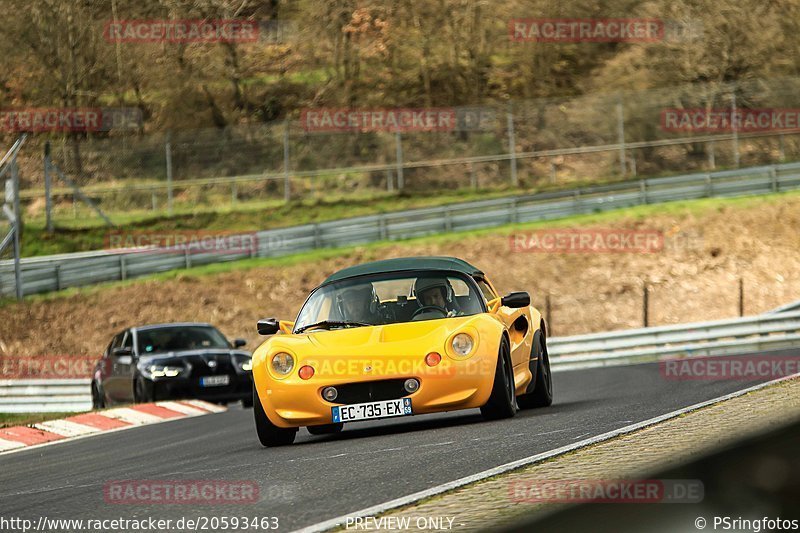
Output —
(391, 298)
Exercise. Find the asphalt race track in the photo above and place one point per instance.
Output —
(321, 477)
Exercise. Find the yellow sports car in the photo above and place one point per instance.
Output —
(395, 338)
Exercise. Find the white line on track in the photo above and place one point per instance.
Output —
(433, 491)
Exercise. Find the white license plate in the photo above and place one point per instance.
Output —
(215, 381)
(370, 410)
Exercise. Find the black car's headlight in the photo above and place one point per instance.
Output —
(243, 362)
(163, 370)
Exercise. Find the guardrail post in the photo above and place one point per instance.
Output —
(58, 277)
(709, 185)
(773, 176)
(512, 149)
(317, 240)
(514, 211)
(576, 197)
(448, 222)
(781, 152)
(645, 306)
(382, 227)
(123, 268)
(643, 190)
(168, 155)
(187, 257)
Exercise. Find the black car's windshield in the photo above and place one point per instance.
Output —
(174, 338)
(390, 298)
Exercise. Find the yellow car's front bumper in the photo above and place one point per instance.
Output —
(450, 385)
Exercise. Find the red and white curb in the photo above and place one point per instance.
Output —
(17, 438)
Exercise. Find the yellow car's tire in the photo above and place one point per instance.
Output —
(268, 433)
(541, 392)
(325, 429)
(502, 401)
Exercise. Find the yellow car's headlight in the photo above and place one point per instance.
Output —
(462, 344)
(282, 363)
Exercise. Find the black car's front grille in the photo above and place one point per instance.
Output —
(202, 368)
(370, 391)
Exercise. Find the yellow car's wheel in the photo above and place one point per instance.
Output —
(540, 392)
(502, 401)
(268, 433)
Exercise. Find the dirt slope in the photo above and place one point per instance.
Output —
(694, 278)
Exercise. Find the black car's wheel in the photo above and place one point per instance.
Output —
(142, 393)
(541, 392)
(268, 433)
(98, 402)
(325, 429)
(502, 402)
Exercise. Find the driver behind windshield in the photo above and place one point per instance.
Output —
(359, 304)
(436, 292)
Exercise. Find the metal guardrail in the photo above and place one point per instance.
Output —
(792, 306)
(718, 337)
(738, 335)
(51, 273)
(45, 395)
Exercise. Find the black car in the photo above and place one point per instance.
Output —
(172, 361)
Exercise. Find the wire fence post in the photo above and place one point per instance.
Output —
(512, 148)
(473, 177)
(621, 137)
(287, 192)
(17, 228)
(48, 201)
(735, 129)
(741, 297)
(712, 163)
(645, 306)
(399, 153)
(548, 313)
(168, 154)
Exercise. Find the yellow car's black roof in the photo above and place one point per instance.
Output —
(405, 263)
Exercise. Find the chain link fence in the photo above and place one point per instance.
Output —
(528, 144)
